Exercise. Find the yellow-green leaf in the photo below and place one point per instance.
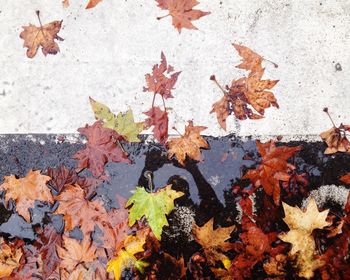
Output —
(154, 206)
(125, 257)
(123, 124)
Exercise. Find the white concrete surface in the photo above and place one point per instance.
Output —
(108, 50)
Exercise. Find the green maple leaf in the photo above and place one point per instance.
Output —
(123, 124)
(154, 206)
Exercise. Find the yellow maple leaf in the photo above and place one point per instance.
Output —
(125, 258)
(301, 224)
(9, 259)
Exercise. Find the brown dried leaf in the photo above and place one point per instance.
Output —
(158, 119)
(188, 145)
(9, 258)
(43, 36)
(25, 191)
(182, 12)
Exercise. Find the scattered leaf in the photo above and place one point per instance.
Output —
(79, 212)
(154, 206)
(125, 258)
(25, 191)
(158, 119)
(43, 36)
(100, 149)
(9, 258)
(247, 97)
(74, 253)
(214, 241)
(188, 145)
(123, 124)
(158, 82)
(273, 168)
(182, 12)
(301, 224)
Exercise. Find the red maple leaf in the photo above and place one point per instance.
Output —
(102, 147)
(158, 119)
(273, 169)
(158, 82)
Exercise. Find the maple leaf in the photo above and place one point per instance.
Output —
(301, 224)
(158, 119)
(100, 149)
(43, 36)
(9, 258)
(48, 240)
(125, 258)
(61, 176)
(251, 60)
(122, 124)
(336, 138)
(188, 145)
(73, 253)
(276, 265)
(25, 191)
(154, 206)
(273, 168)
(182, 12)
(115, 228)
(247, 97)
(214, 241)
(158, 82)
(77, 211)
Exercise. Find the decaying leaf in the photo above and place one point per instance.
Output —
(43, 36)
(123, 124)
(301, 224)
(73, 253)
(102, 147)
(247, 97)
(182, 12)
(154, 206)
(346, 178)
(336, 138)
(9, 258)
(275, 266)
(273, 168)
(188, 145)
(25, 191)
(162, 80)
(79, 212)
(159, 120)
(125, 258)
(214, 242)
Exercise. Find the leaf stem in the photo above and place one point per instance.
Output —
(38, 15)
(213, 78)
(177, 131)
(164, 103)
(159, 18)
(154, 98)
(274, 64)
(326, 111)
(148, 175)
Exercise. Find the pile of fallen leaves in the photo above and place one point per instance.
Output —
(268, 240)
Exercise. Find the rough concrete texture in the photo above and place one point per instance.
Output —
(108, 50)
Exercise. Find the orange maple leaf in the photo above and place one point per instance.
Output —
(188, 145)
(77, 211)
(25, 191)
(73, 253)
(182, 12)
(273, 168)
(43, 36)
